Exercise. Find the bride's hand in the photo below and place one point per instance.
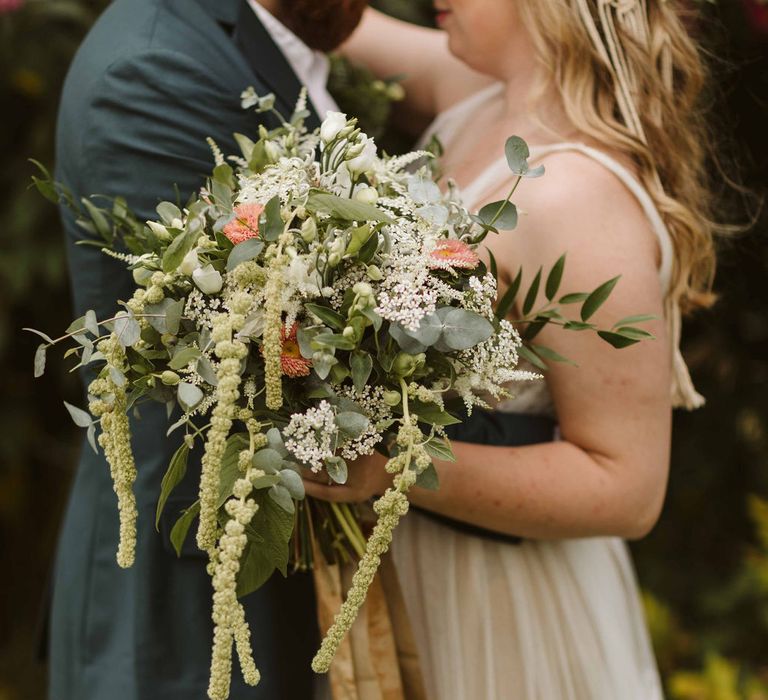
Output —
(367, 479)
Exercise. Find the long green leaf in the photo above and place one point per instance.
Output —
(597, 298)
(555, 277)
(533, 292)
(505, 305)
(173, 477)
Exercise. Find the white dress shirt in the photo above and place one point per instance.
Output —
(311, 67)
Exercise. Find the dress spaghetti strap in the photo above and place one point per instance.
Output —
(684, 393)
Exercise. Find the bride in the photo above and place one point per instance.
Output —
(521, 586)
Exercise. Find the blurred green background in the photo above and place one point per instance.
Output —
(705, 567)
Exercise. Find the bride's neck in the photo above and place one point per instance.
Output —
(533, 108)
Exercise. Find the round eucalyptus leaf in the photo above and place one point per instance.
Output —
(464, 329)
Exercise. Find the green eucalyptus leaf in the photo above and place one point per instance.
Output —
(337, 470)
(280, 495)
(45, 337)
(500, 215)
(597, 298)
(81, 418)
(405, 341)
(243, 252)
(127, 330)
(517, 153)
(293, 483)
(40, 360)
(351, 424)
(189, 395)
(165, 317)
(172, 478)
(464, 329)
(92, 323)
(268, 460)
(184, 356)
(168, 212)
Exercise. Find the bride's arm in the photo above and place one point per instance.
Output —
(608, 474)
(432, 77)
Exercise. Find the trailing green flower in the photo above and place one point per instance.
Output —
(110, 404)
(273, 323)
(231, 352)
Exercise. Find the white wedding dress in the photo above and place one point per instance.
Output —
(554, 620)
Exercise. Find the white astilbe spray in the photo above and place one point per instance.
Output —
(489, 366)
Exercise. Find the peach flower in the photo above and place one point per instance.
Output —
(452, 253)
(245, 225)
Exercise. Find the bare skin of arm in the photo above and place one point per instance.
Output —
(608, 475)
(432, 77)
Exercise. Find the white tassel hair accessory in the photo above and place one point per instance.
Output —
(615, 18)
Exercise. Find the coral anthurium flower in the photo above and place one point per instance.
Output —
(245, 225)
(452, 253)
(293, 364)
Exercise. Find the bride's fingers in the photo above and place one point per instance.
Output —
(335, 493)
(318, 477)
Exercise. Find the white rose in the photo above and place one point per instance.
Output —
(208, 280)
(332, 125)
(364, 162)
(190, 263)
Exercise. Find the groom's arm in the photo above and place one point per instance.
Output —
(142, 135)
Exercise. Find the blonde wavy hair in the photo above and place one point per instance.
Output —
(669, 78)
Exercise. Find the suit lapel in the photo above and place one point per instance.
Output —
(268, 63)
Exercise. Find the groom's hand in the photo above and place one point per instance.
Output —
(367, 479)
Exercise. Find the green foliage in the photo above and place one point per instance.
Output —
(703, 559)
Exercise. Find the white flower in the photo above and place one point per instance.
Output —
(208, 280)
(366, 195)
(332, 125)
(190, 263)
(159, 229)
(366, 160)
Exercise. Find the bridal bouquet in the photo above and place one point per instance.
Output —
(314, 302)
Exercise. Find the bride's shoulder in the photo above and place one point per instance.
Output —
(583, 185)
(580, 204)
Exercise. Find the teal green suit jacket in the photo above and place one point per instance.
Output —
(152, 80)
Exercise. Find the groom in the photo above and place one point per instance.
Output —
(152, 80)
